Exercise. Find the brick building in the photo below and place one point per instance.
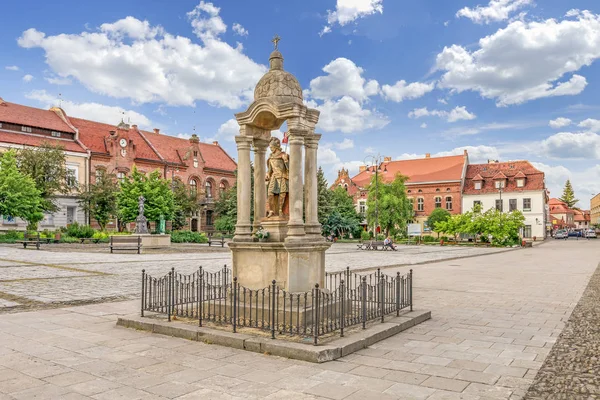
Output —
(433, 182)
(206, 168)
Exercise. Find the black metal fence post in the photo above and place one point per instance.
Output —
(382, 296)
(173, 284)
(410, 289)
(200, 295)
(234, 304)
(143, 289)
(397, 294)
(316, 314)
(364, 302)
(169, 288)
(343, 301)
(273, 309)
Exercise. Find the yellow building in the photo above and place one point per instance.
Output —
(595, 210)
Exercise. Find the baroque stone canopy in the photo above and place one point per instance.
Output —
(277, 84)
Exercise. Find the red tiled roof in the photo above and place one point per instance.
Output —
(37, 140)
(500, 175)
(489, 172)
(431, 169)
(216, 158)
(477, 178)
(520, 174)
(30, 116)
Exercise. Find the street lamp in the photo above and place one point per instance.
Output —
(376, 162)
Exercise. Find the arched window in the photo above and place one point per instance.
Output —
(437, 190)
(447, 189)
(121, 176)
(449, 203)
(420, 204)
(208, 188)
(438, 202)
(222, 187)
(193, 188)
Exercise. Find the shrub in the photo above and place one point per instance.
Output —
(80, 231)
(69, 239)
(364, 235)
(429, 239)
(12, 234)
(188, 237)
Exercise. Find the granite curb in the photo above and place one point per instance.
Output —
(330, 351)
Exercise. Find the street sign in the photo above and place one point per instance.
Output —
(414, 229)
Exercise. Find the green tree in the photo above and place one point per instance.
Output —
(394, 209)
(436, 216)
(343, 218)
(185, 204)
(568, 195)
(324, 195)
(47, 166)
(99, 199)
(19, 196)
(157, 192)
(226, 209)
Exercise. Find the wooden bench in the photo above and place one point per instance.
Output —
(374, 245)
(89, 240)
(217, 241)
(126, 243)
(30, 239)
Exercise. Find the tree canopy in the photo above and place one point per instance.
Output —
(568, 195)
(157, 192)
(394, 209)
(185, 203)
(343, 218)
(437, 215)
(19, 196)
(324, 195)
(99, 199)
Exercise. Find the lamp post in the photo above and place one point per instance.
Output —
(376, 164)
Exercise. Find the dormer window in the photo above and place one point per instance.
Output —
(500, 184)
(520, 182)
(55, 134)
(477, 185)
(26, 129)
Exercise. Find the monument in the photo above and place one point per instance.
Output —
(141, 223)
(285, 188)
(141, 229)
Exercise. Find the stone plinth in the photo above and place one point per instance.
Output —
(277, 228)
(155, 241)
(296, 267)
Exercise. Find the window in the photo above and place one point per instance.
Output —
(527, 231)
(193, 188)
(477, 185)
(420, 204)
(499, 184)
(48, 220)
(499, 205)
(438, 202)
(222, 187)
(8, 220)
(99, 173)
(526, 204)
(25, 129)
(410, 191)
(208, 187)
(512, 204)
(437, 190)
(209, 218)
(0, 124)
(447, 189)
(520, 182)
(121, 176)
(448, 202)
(55, 134)
(72, 176)
(195, 153)
(419, 191)
(362, 208)
(412, 203)
(476, 203)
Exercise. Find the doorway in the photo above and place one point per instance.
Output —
(70, 215)
(194, 225)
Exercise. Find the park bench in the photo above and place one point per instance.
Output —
(89, 240)
(217, 241)
(126, 243)
(374, 245)
(30, 239)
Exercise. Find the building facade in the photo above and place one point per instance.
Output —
(561, 216)
(508, 186)
(595, 210)
(433, 182)
(92, 147)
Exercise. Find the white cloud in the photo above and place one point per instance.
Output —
(559, 123)
(585, 145)
(12, 68)
(326, 156)
(27, 78)
(344, 144)
(456, 114)
(494, 126)
(344, 78)
(131, 59)
(401, 91)
(369, 150)
(496, 10)
(347, 11)
(525, 60)
(227, 131)
(586, 183)
(92, 111)
(239, 29)
(423, 125)
(590, 124)
(477, 154)
(443, 101)
(347, 115)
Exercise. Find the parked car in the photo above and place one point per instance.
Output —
(575, 234)
(561, 234)
(590, 234)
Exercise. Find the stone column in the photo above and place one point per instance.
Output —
(260, 186)
(243, 228)
(295, 223)
(311, 201)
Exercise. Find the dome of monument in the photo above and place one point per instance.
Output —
(278, 84)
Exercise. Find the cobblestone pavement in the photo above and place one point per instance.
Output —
(38, 279)
(494, 321)
(572, 369)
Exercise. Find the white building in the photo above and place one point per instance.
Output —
(508, 186)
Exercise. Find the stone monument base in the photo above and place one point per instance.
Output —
(296, 267)
(154, 241)
(277, 228)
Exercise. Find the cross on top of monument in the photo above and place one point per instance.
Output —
(276, 40)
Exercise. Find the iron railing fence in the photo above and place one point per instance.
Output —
(348, 299)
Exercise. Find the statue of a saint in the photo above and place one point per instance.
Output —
(141, 200)
(277, 178)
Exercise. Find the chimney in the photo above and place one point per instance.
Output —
(194, 139)
(362, 168)
(156, 130)
(387, 159)
(134, 127)
(216, 143)
(427, 155)
(465, 152)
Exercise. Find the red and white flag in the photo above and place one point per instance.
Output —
(286, 136)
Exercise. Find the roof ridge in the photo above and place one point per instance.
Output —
(150, 144)
(220, 148)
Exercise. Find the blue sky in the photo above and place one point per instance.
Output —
(506, 79)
